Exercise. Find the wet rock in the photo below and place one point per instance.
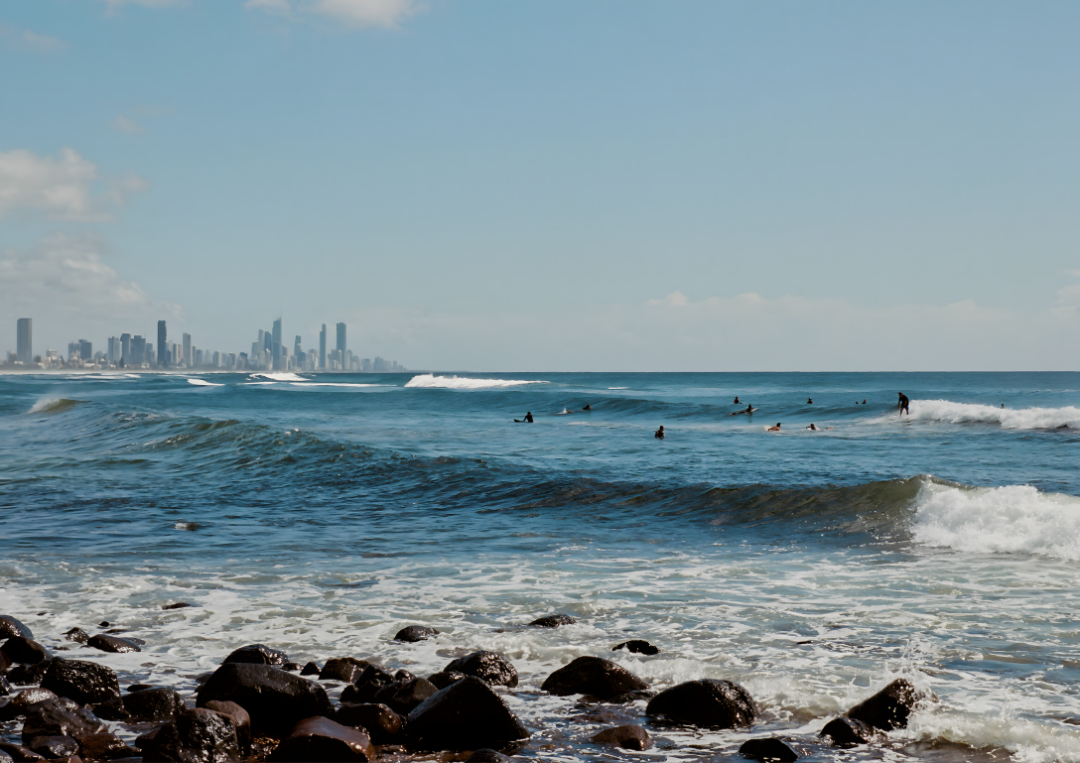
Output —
(85, 682)
(113, 710)
(276, 700)
(104, 747)
(5, 758)
(17, 753)
(413, 633)
(707, 702)
(770, 748)
(637, 646)
(138, 687)
(403, 697)
(5, 663)
(367, 685)
(104, 624)
(28, 675)
(847, 732)
(21, 702)
(382, 724)
(240, 719)
(53, 747)
(321, 739)
(177, 605)
(78, 635)
(631, 696)
(445, 678)
(10, 628)
(292, 667)
(464, 716)
(553, 621)
(889, 708)
(311, 669)
(153, 705)
(5, 687)
(258, 654)
(487, 755)
(196, 736)
(628, 737)
(487, 666)
(60, 717)
(343, 669)
(113, 644)
(591, 675)
(23, 651)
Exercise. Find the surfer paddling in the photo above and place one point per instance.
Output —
(748, 410)
(903, 404)
(775, 428)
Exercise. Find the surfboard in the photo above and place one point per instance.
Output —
(739, 413)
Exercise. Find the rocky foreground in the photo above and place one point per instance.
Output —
(260, 706)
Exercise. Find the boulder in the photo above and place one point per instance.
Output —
(112, 644)
(382, 724)
(53, 747)
(240, 719)
(23, 651)
(444, 678)
(21, 702)
(637, 646)
(889, 708)
(342, 669)
(78, 635)
(177, 605)
(602, 679)
(311, 669)
(553, 621)
(5, 687)
(464, 716)
(258, 654)
(85, 682)
(367, 684)
(10, 627)
(60, 717)
(196, 736)
(16, 752)
(276, 700)
(769, 748)
(153, 705)
(132, 688)
(707, 702)
(403, 697)
(292, 667)
(104, 747)
(28, 675)
(487, 666)
(320, 739)
(5, 662)
(412, 633)
(628, 737)
(487, 755)
(847, 732)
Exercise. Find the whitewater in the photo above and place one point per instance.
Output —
(320, 513)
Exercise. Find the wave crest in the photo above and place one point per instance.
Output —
(1007, 418)
(430, 381)
(54, 405)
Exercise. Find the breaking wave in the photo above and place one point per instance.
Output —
(430, 381)
(203, 383)
(1007, 418)
(54, 405)
(285, 377)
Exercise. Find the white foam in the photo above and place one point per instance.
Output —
(281, 377)
(203, 383)
(1004, 520)
(339, 384)
(46, 404)
(1007, 418)
(429, 381)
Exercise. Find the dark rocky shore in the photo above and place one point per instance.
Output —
(258, 705)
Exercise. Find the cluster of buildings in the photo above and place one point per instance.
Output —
(127, 351)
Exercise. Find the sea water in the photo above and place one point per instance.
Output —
(319, 514)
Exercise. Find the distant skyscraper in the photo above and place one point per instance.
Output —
(276, 346)
(138, 350)
(24, 346)
(125, 348)
(322, 348)
(162, 350)
(188, 358)
(341, 340)
(297, 348)
(86, 349)
(113, 353)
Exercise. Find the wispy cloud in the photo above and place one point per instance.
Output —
(353, 13)
(24, 39)
(127, 125)
(115, 5)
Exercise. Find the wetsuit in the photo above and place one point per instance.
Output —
(903, 404)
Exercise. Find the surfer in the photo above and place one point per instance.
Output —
(659, 433)
(749, 411)
(903, 404)
(809, 401)
(812, 428)
(864, 401)
(587, 408)
(527, 420)
(737, 400)
(775, 428)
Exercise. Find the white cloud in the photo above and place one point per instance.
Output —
(41, 42)
(280, 7)
(61, 188)
(114, 5)
(127, 125)
(357, 13)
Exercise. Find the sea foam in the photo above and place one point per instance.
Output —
(203, 383)
(1007, 418)
(284, 377)
(430, 381)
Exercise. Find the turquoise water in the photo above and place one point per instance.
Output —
(319, 514)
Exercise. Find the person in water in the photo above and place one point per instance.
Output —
(587, 408)
(528, 418)
(659, 433)
(737, 400)
(809, 401)
(775, 428)
(864, 401)
(903, 404)
(813, 428)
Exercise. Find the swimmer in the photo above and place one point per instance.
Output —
(1003, 405)
(813, 428)
(737, 400)
(659, 433)
(903, 404)
(587, 408)
(809, 401)
(527, 420)
(775, 428)
(864, 401)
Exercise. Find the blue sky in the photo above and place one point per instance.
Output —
(550, 186)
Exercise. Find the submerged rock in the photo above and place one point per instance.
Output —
(487, 666)
(112, 644)
(768, 749)
(553, 621)
(258, 654)
(706, 702)
(345, 669)
(24, 651)
(11, 627)
(380, 722)
(320, 739)
(276, 700)
(78, 635)
(637, 646)
(888, 709)
(413, 633)
(602, 679)
(847, 732)
(177, 605)
(85, 682)
(464, 716)
(630, 737)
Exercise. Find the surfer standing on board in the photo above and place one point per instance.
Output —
(903, 404)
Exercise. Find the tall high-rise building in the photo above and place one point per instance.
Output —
(341, 340)
(162, 350)
(86, 350)
(125, 348)
(322, 348)
(138, 350)
(188, 357)
(298, 350)
(276, 346)
(24, 342)
(113, 353)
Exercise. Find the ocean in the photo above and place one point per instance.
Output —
(319, 514)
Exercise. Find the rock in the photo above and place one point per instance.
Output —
(196, 736)
(403, 697)
(276, 700)
(553, 621)
(258, 654)
(78, 635)
(486, 755)
(591, 675)
(113, 710)
(464, 716)
(23, 651)
(113, 644)
(5, 662)
(343, 669)
(53, 747)
(60, 717)
(104, 624)
(382, 724)
(628, 737)
(153, 705)
(707, 702)
(141, 687)
(5, 687)
(292, 667)
(769, 748)
(5, 758)
(445, 678)
(16, 752)
(847, 732)
(311, 669)
(240, 719)
(85, 682)
(177, 605)
(488, 666)
(889, 708)
(10, 628)
(321, 739)
(413, 633)
(104, 747)
(28, 675)
(367, 685)
(22, 701)
(637, 646)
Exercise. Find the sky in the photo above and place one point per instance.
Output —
(550, 186)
